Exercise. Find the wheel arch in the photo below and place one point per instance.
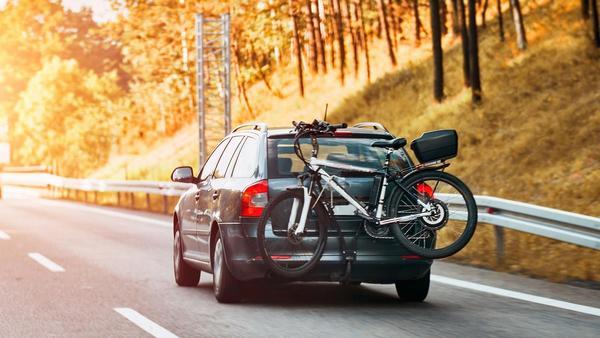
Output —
(175, 223)
(414, 173)
(214, 229)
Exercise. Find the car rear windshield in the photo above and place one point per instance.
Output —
(283, 162)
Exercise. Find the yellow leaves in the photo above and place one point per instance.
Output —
(65, 116)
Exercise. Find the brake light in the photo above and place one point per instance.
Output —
(280, 257)
(411, 257)
(254, 199)
(425, 189)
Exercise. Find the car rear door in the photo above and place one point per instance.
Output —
(202, 200)
(209, 196)
(241, 172)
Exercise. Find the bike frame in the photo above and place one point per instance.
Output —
(316, 166)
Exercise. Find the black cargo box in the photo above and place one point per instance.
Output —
(436, 145)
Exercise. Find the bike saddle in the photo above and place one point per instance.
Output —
(395, 144)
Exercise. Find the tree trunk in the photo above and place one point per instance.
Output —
(400, 21)
(331, 28)
(519, 25)
(386, 29)
(444, 16)
(359, 35)
(436, 38)
(339, 34)
(483, 12)
(585, 9)
(364, 39)
(241, 83)
(474, 57)
(319, 36)
(464, 40)
(455, 22)
(415, 4)
(258, 65)
(312, 39)
(595, 22)
(352, 36)
(297, 47)
(392, 23)
(500, 19)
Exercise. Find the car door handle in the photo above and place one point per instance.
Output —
(215, 195)
(197, 197)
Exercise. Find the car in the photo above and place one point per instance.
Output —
(215, 220)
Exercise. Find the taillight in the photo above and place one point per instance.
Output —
(425, 189)
(254, 199)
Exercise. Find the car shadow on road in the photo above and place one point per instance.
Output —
(318, 294)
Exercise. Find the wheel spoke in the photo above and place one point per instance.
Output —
(447, 225)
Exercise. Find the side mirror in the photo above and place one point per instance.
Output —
(183, 175)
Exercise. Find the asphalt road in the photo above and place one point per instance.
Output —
(74, 270)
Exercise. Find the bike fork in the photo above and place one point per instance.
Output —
(304, 213)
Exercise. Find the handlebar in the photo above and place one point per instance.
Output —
(317, 126)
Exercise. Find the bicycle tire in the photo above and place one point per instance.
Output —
(322, 220)
(471, 222)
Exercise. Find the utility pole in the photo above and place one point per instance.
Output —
(213, 79)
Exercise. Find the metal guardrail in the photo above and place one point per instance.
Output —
(58, 184)
(557, 224)
(502, 213)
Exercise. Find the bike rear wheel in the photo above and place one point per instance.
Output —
(453, 223)
(285, 253)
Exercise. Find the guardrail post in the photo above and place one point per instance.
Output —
(95, 197)
(148, 206)
(85, 196)
(118, 198)
(499, 232)
(165, 204)
(132, 201)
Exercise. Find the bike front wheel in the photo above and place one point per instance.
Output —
(286, 253)
(452, 223)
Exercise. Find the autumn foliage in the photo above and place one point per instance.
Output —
(76, 91)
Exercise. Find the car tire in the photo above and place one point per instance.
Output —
(185, 275)
(227, 289)
(413, 290)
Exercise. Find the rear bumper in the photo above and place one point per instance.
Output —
(377, 261)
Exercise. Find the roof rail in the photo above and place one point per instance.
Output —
(252, 125)
(374, 125)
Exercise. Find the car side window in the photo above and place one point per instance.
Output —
(234, 158)
(247, 162)
(213, 159)
(226, 157)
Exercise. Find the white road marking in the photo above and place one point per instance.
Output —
(517, 295)
(144, 323)
(4, 235)
(110, 213)
(45, 262)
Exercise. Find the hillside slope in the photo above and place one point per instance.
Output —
(536, 137)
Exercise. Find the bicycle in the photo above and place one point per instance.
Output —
(412, 205)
